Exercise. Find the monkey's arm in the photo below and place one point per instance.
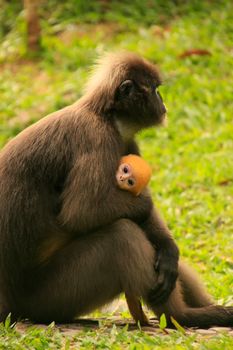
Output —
(92, 199)
(167, 256)
(167, 253)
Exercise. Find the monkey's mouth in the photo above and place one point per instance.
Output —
(161, 115)
(164, 119)
(161, 120)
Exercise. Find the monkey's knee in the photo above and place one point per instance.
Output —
(135, 258)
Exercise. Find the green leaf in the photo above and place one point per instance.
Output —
(177, 325)
(162, 322)
(7, 322)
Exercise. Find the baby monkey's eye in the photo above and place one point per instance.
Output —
(130, 182)
(126, 169)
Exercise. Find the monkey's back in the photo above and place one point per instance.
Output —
(33, 166)
(33, 169)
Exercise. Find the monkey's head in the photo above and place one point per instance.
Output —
(133, 174)
(125, 87)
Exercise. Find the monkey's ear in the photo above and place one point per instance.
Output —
(126, 88)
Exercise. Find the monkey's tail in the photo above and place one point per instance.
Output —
(203, 317)
(191, 306)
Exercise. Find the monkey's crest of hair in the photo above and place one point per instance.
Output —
(110, 71)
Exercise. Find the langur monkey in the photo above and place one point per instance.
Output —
(70, 239)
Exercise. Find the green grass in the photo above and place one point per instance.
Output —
(192, 158)
(113, 338)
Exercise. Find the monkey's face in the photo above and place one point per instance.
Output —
(139, 103)
(125, 178)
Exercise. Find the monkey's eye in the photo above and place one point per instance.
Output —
(130, 182)
(155, 88)
(157, 93)
(125, 169)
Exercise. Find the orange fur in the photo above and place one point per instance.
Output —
(141, 171)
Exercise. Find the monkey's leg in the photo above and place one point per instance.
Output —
(135, 308)
(4, 309)
(202, 317)
(193, 290)
(90, 272)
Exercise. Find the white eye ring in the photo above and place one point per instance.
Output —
(125, 168)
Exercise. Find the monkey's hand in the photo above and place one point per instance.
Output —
(166, 254)
(166, 267)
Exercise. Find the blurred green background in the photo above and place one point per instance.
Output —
(192, 158)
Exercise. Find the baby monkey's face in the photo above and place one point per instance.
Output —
(125, 177)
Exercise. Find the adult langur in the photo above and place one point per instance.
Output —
(70, 239)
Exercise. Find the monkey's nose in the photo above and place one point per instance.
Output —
(123, 177)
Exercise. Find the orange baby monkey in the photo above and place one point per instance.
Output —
(133, 174)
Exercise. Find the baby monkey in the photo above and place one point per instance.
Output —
(133, 175)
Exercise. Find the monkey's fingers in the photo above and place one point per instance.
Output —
(162, 291)
(166, 281)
